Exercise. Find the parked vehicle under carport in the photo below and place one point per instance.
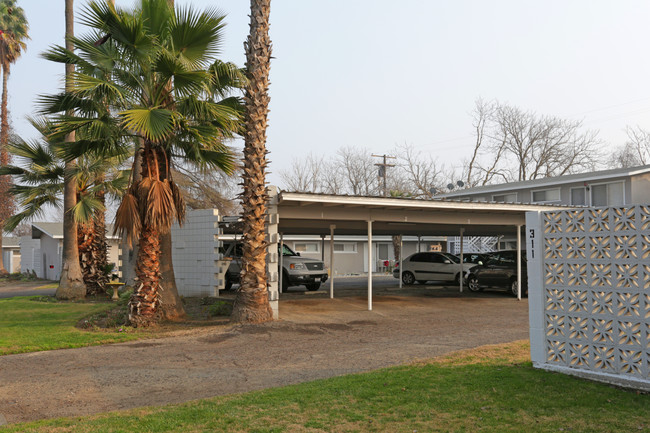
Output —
(500, 271)
(429, 266)
(296, 270)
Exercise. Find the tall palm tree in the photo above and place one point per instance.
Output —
(252, 302)
(151, 65)
(71, 285)
(40, 177)
(13, 34)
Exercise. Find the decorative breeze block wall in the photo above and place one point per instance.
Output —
(589, 293)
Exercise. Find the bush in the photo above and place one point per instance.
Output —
(220, 308)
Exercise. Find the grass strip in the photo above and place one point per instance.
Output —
(490, 389)
(30, 324)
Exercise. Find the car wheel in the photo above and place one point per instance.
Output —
(472, 284)
(408, 278)
(313, 287)
(513, 287)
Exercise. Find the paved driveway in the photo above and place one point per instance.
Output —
(9, 289)
(316, 338)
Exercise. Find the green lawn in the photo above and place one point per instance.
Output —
(28, 325)
(491, 389)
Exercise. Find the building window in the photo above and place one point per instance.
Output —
(505, 198)
(579, 196)
(345, 247)
(306, 247)
(608, 194)
(546, 195)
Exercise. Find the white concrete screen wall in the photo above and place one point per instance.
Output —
(195, 253)
(589, 293)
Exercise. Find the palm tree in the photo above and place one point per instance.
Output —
(151, 66)
(40, 177)
(71, 285)
(252, 302)
(13, 33)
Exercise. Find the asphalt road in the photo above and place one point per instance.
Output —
(10, 289)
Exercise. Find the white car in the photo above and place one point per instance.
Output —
(423, 267)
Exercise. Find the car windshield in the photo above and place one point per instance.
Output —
(286, 251)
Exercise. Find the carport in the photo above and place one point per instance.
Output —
(330, 215)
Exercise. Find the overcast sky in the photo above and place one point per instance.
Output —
(378, 73)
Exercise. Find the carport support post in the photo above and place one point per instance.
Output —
(332, 227)
(322, 248)
(519, 262)
(281, 259)
(369, 265)
(462, 232)
(401, 248)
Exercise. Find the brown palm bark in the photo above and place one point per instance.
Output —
(252, 302)
(145, 302)
(143, 306)
(171, 306)
(93, 252)
(71, 285)
(5, 181)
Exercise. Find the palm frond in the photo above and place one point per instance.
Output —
(157, 199)
(127, 218)
(197, 36)
(153, 124)
(179, 202)
(85, 208)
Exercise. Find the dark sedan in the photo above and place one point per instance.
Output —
(499, 270)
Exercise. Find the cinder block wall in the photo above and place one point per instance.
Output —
(30, 255)
(589, 293)
(195, 251)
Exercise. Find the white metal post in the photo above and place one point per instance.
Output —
(462, 232)
(519, 262)
(369, 265)
(401, 255)
(281, 260)
(332, 227)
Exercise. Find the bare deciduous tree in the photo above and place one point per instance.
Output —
(306, 174)
(635, 151)
(516, 145)
(421, 173)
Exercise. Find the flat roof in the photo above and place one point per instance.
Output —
(590, 176)
(307, 213)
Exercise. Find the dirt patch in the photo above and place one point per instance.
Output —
(315, 339)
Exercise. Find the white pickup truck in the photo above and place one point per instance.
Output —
(296, 270)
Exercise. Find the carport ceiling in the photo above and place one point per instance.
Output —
(301, 213)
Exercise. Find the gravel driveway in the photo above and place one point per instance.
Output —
(316, 338)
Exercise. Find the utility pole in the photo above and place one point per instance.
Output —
(382, 169)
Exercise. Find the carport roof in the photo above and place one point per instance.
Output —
(306, 213)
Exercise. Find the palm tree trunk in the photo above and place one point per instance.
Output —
(143, 306)
(252, 301)
(71, 285)
(145, 301)
(100, 245)
(4, 160)
(93, 252)
(171, 307)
